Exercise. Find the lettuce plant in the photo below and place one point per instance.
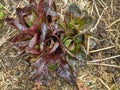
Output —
(58, 45)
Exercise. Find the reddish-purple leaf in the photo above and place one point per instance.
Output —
(41, 73)
(54, 47)
(16, 24)
(44, 31)
(32, 30)
(39, 65)
(52, 56)
(32, 51)
(20, 37)
(20, 45)
(41, 7)
(33, 41)
(25, 12)
(21, 12)
(40, 19)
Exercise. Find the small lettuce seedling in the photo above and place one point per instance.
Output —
(59, 45)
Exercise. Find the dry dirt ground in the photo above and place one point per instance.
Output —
(101, 73)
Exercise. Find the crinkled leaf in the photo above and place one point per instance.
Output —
(83, 21)
(40, 66)
(73, 63)
(81, 53)
(41, 73)
(79, 23)
(75, 18)
(64, 72)
(80, 38)
(74, 10)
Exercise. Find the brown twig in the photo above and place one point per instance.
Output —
(106, 65)
(104, 83)
(104, 59)
(98, 50)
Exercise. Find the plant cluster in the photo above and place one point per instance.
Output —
(59, 44)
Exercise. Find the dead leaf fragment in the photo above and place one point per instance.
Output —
(3, 40)
(81, 86)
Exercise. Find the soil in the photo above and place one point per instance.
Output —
(102, 72)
